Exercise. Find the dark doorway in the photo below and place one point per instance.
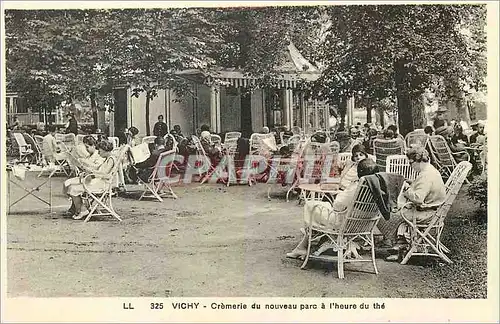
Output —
(246, 114)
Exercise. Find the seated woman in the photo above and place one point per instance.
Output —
(212, 152)
(323, 217)
(93, 159)
(132, 136)
(75, 189)
(422, 196)
(50, 149)
(349, 172)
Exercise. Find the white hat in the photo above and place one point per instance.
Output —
(205, 134)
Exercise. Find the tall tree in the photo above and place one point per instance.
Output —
(398, 51)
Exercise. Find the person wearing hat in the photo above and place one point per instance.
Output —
(72, 124)
(479, 132)
(440, 118)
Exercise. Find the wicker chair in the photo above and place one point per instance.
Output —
(442, 157)
(399, 164)
(382, 148)
(417, 137)
(360, 219)
(426, 238)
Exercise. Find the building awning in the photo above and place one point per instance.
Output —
(290, 73)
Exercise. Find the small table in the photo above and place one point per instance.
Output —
(312, 191)
(29, 191)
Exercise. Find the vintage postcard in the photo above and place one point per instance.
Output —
(249, 161)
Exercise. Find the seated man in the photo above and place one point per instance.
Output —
(331, 216)
(144, 169)
(50, 149)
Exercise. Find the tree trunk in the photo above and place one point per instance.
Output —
(368, 110)
(246, 114)
(342, 104)
(462, 110)
(148, 99)
(93, 107)
(404, 98)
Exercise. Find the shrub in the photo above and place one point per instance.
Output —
(478, 190)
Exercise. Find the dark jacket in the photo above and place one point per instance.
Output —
(146, 168)
(385, 188)
(151, 160)
(160, 129)
(72, 127)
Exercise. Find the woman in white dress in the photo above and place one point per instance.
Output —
(349, 169)
(100, 182)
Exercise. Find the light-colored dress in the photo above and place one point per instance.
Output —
(321, 214)
(349, 174)
(75, 187)
(49, 149)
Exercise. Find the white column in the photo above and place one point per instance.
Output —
(215, 124)
(303, 112)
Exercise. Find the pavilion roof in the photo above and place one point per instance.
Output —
(293, 69)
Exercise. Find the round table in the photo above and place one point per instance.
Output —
(312, 191)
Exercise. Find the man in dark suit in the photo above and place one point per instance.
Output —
(160, 128)
(144, 169)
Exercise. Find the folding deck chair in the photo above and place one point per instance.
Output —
(305, 172)
(231, 135)
(148, 139)
(160, 178)
(360, 219)
(425, 239)
(25, 149)
(100, 201)
(216, 140)
(201, 156)
(58, 166)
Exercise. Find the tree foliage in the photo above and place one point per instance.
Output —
(56, 55)
(381, 51)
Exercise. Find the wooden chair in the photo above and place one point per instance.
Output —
(399, 164)
(216, 140)
(425, 239)
(417, 137)
(100, 201)
(360, 219)
(79, 138)
(68, 141)
(148, 139)
(25, 150)
(289, 170)
(58, 166)
(115, 141)
(202, 157)
(382, 148)
(171, 137)
(441, 156)
(231, 135)
(37, 151)
(160, 178)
